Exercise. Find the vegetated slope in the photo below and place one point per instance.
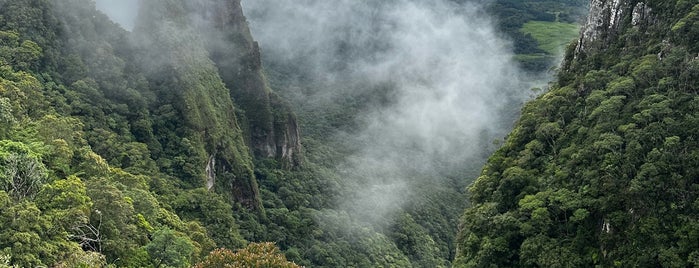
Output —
(364, 89)
(155, 147)
(521, 21)
(604, 168)
(421, 231)
(129, 153)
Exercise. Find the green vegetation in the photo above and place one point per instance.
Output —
(141, 149)
(539, 29)
(552, 37)
(103, 159)
(253, 256)
(602, 169)
(147, 149)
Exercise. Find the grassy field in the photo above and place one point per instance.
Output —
(552, 37)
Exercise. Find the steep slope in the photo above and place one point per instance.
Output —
(120, 152)
(196, 117)
(200, 58)
(107, 146)
(73, 191)
(603, 168)
(270, 124)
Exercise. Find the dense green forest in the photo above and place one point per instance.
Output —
(154, 147)
(422, 229)
(603, 169)
(171, 146)
(126, 149)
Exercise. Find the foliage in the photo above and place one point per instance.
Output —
(552, 37)
(601, 170)
(66, 134)
(22, 173)
(528, 24)
(106, 137)
(252, 256)
(169, 249)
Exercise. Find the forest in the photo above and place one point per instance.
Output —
(601, 170)
(203, 137)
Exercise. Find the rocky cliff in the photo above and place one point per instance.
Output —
(203, 66)
(197, 121)
(271, 126)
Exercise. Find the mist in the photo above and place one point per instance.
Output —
(123, 12)
(454, 88)
(443, 83)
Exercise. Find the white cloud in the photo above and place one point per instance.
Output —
(456, 86)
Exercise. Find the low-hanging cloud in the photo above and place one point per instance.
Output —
(455, 87)
(123, 12)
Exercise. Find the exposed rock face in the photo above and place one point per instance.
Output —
(602, 22)
(209, 142)
(287, 136)
(210, 173)
(271, 126)
(641, 12)
(606, 19)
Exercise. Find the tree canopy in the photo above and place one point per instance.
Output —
(601, 170)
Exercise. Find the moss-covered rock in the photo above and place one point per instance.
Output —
(183, 76)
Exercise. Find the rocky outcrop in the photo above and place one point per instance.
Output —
(287, 137)
(210, 173)
(270, 124)
(196, 117)
(602, 23)
(201, 61)
(641, 13)
(606, 19)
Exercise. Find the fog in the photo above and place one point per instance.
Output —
(447, 85)
(123, 12)
(454, 87)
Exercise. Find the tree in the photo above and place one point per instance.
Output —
(116, 220)
(29, 236)
(7, 119)
(253, 256)
(67, 204)
(21, 171)
(213, 212)
(170, 249)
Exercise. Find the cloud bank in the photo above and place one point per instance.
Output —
(454, 87)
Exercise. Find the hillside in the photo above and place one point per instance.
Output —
(135, 149)
(154, 147)
(602, 169)
(399, 103)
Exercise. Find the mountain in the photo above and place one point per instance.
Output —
(156, 146)
(602, 169)
(133, 148)
(178, 143)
